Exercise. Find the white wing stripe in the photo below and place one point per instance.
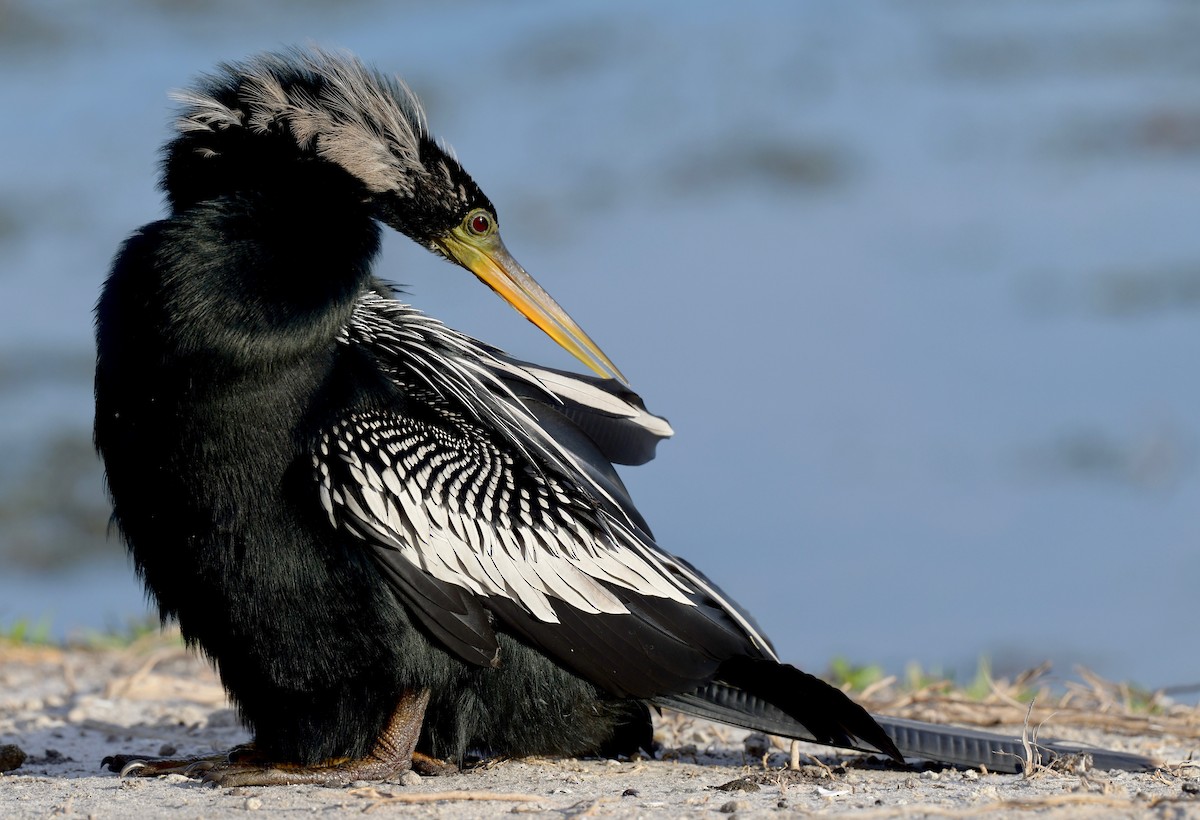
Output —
(545, 553)
(554, 547)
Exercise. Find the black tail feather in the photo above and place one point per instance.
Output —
(999, 753)
(772, 697)
(747, 694)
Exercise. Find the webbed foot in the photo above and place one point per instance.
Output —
(247, 766)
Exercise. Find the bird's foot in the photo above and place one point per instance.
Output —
(427, 766)
(250, 772)
(247, 766)
(142, 766)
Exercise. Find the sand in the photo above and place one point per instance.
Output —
(67, 709)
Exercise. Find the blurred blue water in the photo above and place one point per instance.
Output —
(918, 285)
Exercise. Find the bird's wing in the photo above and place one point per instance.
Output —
(476, 511)
(611, 415)
(598, 421)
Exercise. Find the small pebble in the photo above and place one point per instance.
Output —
(11, 757)
(166, 750)
(733, 806)
(630, 793)
(1191, 788)
(756, 745)
(253, 804)
(741, 784)
(970, 774)
(410, 778)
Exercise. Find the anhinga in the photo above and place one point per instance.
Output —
(387, 535)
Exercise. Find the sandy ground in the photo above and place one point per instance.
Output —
(67, 709)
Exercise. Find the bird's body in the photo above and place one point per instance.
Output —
(384, 533)
(359, 514)
(306, 632)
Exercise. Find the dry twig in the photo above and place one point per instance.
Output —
(379, 798)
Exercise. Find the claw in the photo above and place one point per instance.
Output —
(214, 779)
(131, 766)
(198, 766)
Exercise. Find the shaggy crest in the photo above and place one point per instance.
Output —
(365, 121)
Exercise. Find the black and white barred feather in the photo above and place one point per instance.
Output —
(478, 506)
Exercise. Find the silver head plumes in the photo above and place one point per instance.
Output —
(280, 120)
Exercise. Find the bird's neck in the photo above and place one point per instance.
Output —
(262, 278)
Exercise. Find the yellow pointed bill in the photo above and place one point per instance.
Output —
(488, 259)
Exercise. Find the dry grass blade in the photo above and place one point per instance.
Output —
(1033, 755)
(1053, 801)
(120, 687)
(1090, 702)
(878, 686)
(379, 798)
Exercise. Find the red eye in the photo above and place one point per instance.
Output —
(480, 224)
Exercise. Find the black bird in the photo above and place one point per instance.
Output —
(387, 535)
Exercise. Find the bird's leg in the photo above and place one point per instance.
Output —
(392, 755)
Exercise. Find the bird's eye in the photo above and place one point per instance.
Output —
(479, 223)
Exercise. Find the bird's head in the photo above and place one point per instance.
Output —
(310, 118)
